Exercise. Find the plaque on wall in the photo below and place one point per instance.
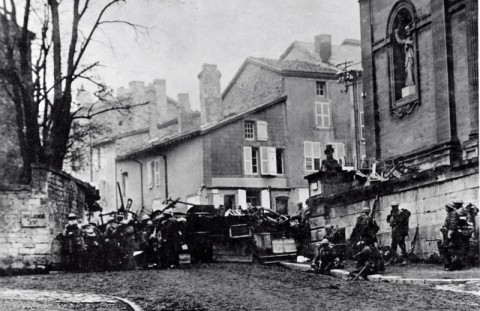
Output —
(34, 219)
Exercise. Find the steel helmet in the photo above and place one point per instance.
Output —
(72, 216)
(365, 209)
(457, 201)
(145, 217)
(394, 203)
(324, 241)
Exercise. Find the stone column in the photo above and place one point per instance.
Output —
(472, 52)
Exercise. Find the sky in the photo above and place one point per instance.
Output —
(184, 34)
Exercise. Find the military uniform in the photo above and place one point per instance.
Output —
(452, 239)
(398, 220)
(365, 229)
(170, 243)
(74, 246)
(366, 261)
(326, 259)
(93, 247)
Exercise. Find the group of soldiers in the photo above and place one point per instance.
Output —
(455, 246)
(123, 243)
(457, 231)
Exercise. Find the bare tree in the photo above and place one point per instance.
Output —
(40, 80)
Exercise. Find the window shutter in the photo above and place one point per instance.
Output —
(149, 174)
(318, 114)
(308, 153)
(326, 114)
(264, 170)
(247, 160)
(272, 161)
(317, 155)
(262, 131)
(157, 172)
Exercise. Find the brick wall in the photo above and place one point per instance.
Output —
(32, 216)
(424, 195)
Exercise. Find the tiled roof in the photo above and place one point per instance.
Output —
(294, 65)
(347, 51)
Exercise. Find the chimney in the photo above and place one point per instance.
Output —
(184, 112)
(158, 108)
(323, 46)
(210, 96)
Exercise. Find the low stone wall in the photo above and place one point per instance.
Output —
(423, 194)
(32, 216)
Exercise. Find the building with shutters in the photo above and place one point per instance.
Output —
(258, 139)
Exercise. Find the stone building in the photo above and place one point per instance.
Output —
(420, 74)
(257, 140)
(157, 116)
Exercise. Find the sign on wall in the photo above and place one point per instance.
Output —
(34, 219)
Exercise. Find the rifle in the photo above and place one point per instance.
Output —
(121, 196)
(360, 273)
(414, 241)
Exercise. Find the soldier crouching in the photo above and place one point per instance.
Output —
(326, 259)
(366, 262)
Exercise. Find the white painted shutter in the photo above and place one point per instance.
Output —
(272, 161)
(157, 172)
(308, 153)
(242, 198)
(326, 114)
(265, 197)
(262, 131)
(264, 170)
(149, 174)
(247, 160)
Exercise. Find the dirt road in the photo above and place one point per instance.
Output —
(247, 287)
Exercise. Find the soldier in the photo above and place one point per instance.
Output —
(93, 247)
(466, 227)
(147, 238)
(452, 238)
(170, 241)
(326, 259)
(74, 245)
(398, 220)
(366, 261)
(329, 232)
(113, 237)
(365, 229)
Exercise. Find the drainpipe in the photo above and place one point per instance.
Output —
(141, 182)
(166, 175)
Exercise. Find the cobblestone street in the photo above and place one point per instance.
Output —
(244, 287)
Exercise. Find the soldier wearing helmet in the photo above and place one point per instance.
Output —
(398, 220)
(73, 244)
(325, 258)
(365, 229)
(452, 238)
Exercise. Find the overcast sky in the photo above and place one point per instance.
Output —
(185, 34)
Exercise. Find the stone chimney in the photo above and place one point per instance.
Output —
(323, 46)
(158, 107)
(184, 111)
(210, 96)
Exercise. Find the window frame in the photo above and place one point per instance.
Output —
(252, 124)
(322, 115)
(312, 155)
(150, 174)
(156, 173)
(322, 89)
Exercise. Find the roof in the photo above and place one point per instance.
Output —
(349, 50)
(207, 128)
(286, 68)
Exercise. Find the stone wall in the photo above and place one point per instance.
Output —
(423, 194)
(32, 216)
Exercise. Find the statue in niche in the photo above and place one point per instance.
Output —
(407, 42)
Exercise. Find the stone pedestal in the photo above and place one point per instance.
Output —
(408, 90)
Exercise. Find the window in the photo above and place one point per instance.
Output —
(124, 183)
(271, 161)
(312, 152)
(249, 130)
(250, 160)
(262, 131)
(321, 88)
(150, 173)
(322, 114)
(157, 172)
(338, 152)
(362, 126)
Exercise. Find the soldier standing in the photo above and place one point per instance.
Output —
(74, 244)
(365, 229)
(452, 238)
(398, 220)
(170, 243)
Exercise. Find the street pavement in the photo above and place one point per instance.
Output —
(227, 287)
